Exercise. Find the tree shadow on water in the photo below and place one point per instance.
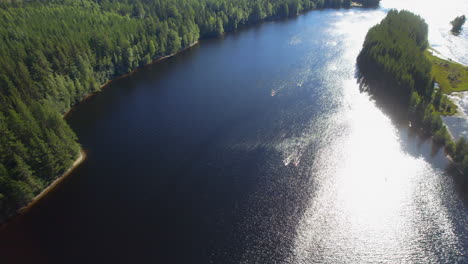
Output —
(415, 141)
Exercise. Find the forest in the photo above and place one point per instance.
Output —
(53, 53)
(393, 62)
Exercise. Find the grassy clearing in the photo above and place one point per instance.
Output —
(451, 76)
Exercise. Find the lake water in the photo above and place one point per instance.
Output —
(254, 148)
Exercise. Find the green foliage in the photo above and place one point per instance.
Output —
(393, 56)
(451, 76)
(55, 52)
(457, 23)
(395, 49)
(460, 155)
(442, 136)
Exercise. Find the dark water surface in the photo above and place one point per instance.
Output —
(254, 148)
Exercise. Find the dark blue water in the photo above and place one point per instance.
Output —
(254, 148)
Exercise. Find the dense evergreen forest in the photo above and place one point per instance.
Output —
(55, 52)
(392, 62)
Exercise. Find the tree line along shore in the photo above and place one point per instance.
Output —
(53, 53)
(394, 65)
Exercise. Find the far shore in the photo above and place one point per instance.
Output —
(81, 157)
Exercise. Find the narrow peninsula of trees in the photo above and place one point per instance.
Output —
(392, 65)
(55, 52)
(457, 23)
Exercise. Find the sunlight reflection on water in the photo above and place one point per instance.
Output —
(372, 202)
(373, 208)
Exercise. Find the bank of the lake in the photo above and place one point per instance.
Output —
(132, 71)
(81, 158)
(56, 183)
(82, 154)
(452, 80)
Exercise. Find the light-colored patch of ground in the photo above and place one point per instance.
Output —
(458, 123)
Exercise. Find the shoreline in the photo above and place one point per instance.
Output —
(109, 82)
(434, 52)
(81, 158)
(82, 154)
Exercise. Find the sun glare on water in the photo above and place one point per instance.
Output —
(373, 202)
(372, 197)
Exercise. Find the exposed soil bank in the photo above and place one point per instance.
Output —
(51, 186)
